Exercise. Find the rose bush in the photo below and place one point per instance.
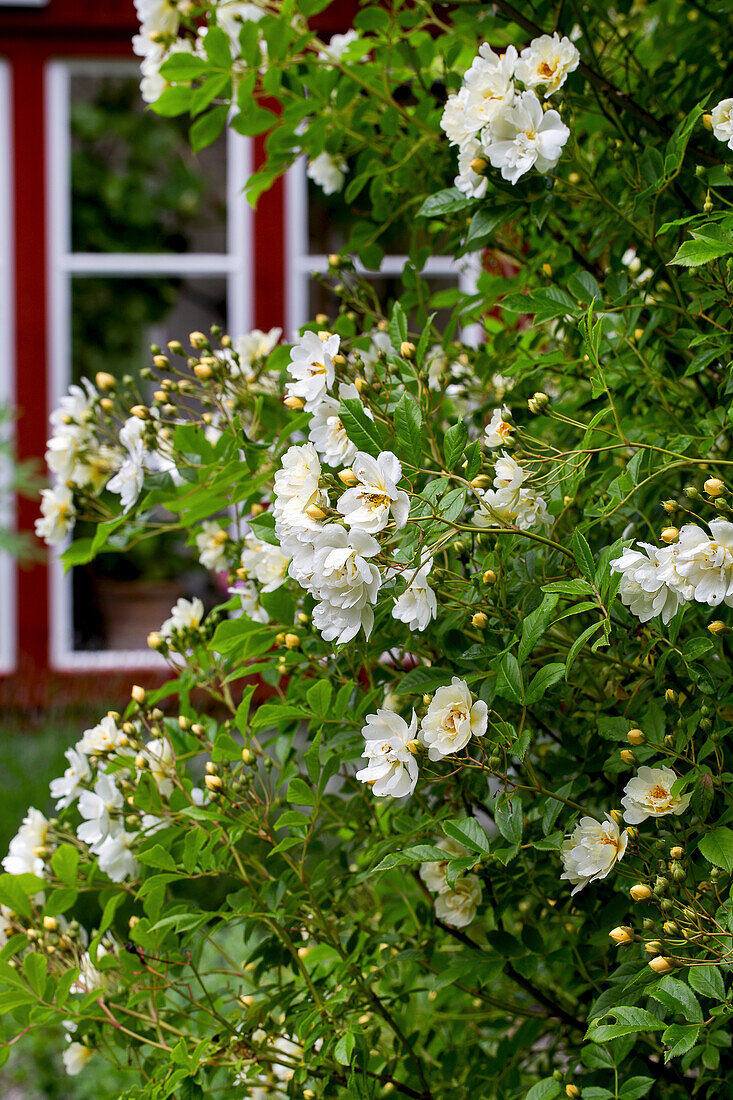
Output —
(437, 802)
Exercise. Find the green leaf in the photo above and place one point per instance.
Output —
(635, 1087)
(319, 697)
(454, 444)
(509, 679)
(485, 222)
(183, 66)
(344, 1048)
(206, 128)
(444, 202)
(583, 555)
(679, 1039)
(509, 818)
(468, 832)
(535, 624)
(630, 1020)
(701, 250)
(717, 847)
(159, 857)
(216, 44)
(397, 326)
(300, 794)
(543, 681)
(225, 747)
(312, 758)
(363, 432)
(408, 425)
(544, 1090)
(256, 120)
(678, 997)
(34, 968)
(419, 853)
(64, 862)
(174, 101)
(242, 715)
(707, 980)
(579, 643)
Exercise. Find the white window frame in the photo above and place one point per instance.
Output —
(235, 265)
(301, 263)
(8, 574)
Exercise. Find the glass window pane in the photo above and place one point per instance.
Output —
(388, 288)
(135, 184)
(119, 598)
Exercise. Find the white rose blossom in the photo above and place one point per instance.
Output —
(102, 810)
(489, 85)
(592, 850)
(418, 604)
(67, 788)
(721, 117)
(58, 512)
(457, 906)
(498, 432)
(434, 874)
(452, 719)
(473, 184)
(649, 794)
(392, 769)
(102, 738)
(510, 499)
(367, 506)
(265, 562)
(328, 172)
(115, 858)
(524, 137)
(337, 573)
(252, 348)
(643, 589)
(312, 367)
(211, 544)
(185, 615)
(160, 761)
(705, 561)
(27, 849)
(338, 46)
(75, 1057)
(546, 63)
(327, 433)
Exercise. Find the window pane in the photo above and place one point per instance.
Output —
(119, 598)
(135, 184)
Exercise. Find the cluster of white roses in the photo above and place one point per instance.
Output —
(455, 905)
(452, 719)
(721, 120)
(99, 798)
(594, 847)
(159, 38)
(80, 461)
(697, 566)
(497, 118)
(510, 499)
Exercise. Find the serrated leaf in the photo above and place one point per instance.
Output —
(535, 624)
(717, 847)
(701, 250)
(454, 444)
(468, 832)
(629, 1021)
(300, 794)
(679, 1039)
(64, 863)
(707, 980)
(544, 1090)
(408, 424)
(419, 853)
(583, 555)
(363, 432)
(543, 681)
(344, 1048)
(509, 818)
(579, 643)
(509, 679)
(444, 202)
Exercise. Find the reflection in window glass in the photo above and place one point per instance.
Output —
(119, 598)
(135, 184)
